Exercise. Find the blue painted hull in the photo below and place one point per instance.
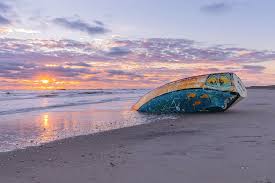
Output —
(204, 93)
(191, 100)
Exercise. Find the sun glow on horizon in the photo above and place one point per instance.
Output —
(44, 81)
(47, 82)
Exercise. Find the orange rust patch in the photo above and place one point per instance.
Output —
(197, 102)
(191, 95)
(204, 96)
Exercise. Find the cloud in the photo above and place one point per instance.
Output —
(16, 70)
(4, 30)
(65, 72)
(4, 9)
(136, 63)
(4, 21)
(118, 51)
(80, 64)
(143, 50)
(254, 68)
(218, 7)
(132, 75)
(99, 22)
(82, 26)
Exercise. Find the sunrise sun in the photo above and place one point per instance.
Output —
(45, 81)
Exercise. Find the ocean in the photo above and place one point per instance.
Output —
(31, 118)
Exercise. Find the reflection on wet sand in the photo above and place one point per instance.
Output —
(46, 129)
(58, 124)
(40, 127)
(46, 120)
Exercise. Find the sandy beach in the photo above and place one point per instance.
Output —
(137, 91)
(235, 146)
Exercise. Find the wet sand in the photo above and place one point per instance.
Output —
(236, 146)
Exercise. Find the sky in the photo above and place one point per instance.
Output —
(133, 43)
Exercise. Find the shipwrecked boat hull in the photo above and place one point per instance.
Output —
(204, 93)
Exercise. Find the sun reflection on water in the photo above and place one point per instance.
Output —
(46, 128)
(54, 125)
(46, 120)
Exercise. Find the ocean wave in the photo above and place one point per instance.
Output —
(95, 92)
(78, 103)
(48, 95)
(25, 95)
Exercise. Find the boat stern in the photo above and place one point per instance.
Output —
(239, 86)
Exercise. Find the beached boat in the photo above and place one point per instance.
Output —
(203, 93)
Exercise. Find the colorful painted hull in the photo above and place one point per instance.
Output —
(204, 93)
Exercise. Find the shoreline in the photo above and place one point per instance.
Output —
(72, 138)
(235, 146)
